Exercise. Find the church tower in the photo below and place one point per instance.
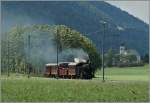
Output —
(122, 49)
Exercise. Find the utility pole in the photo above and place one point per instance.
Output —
(28, 65)
(8, 74)
(57, 49)
(103, 46)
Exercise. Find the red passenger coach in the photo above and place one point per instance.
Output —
(72, 70)
(62, 71)
(51, 70)
(68, 70)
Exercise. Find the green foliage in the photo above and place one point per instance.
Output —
(72, 39)
(13, 56)
(17, 46)
(128, 58)
(146, 58)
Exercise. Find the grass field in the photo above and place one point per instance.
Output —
(117, 87)
(127, 73)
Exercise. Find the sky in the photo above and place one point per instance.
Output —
(138, 8)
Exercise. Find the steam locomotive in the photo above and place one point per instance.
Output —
(79, 69)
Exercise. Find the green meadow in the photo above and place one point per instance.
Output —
(127, 73)
(121, 84)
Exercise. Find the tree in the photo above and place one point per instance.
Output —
(132, 58)
(73, 39)
(109, 58)
(146, 58)
(43, 45)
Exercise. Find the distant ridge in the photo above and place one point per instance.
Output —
(85, 17)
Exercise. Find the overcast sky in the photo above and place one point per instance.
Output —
(139, 9)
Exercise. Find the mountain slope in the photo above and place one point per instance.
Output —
(83, 16)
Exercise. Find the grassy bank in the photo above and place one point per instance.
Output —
(122, 84)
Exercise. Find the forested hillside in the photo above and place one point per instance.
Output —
(85, 17)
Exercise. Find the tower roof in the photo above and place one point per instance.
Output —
(122, 44)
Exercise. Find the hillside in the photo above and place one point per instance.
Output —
(82, 16)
